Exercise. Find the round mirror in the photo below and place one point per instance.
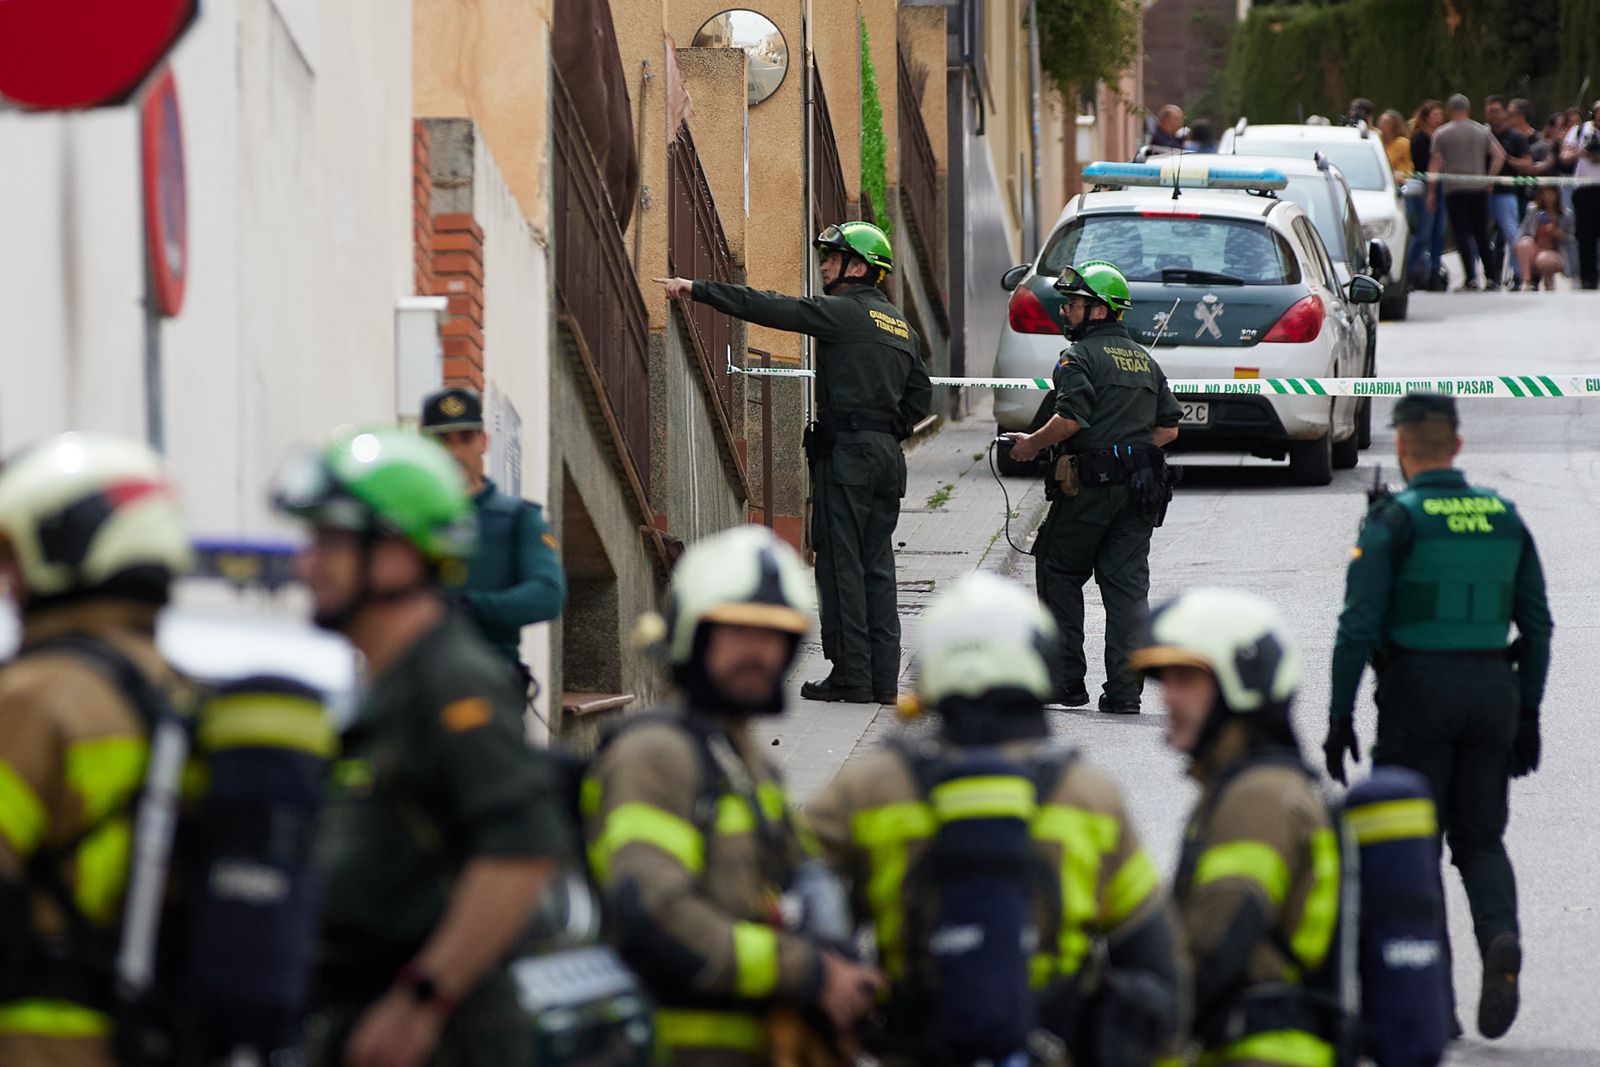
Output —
(766, 51)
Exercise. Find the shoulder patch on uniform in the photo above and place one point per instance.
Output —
(550, 541)
(468, 714)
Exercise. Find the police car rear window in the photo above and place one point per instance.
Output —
(1145, 245)
(1357, 159)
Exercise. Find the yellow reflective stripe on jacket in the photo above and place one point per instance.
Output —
(1313, 937)
(628, 824)
(104, 772)
(734, 816)
(1283, 1048)
(755, 953)
(1254, 860)
(678, 1028)
(995, 796)
(52, 1018)
(1133, 884)
(22, 813)
(885, 833)
(590, 792)
(267, 720)
(1084, 837)
(773, 800)
(1392, 820)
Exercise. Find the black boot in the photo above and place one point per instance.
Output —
(832, 692)
(1497, 1004)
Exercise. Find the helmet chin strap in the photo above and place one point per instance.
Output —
(843, 279)
(340, 619)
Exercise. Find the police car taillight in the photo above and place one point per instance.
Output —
(1301, 323)
(1027, 313)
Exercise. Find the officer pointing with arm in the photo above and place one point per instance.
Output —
(1113, 415)
(1439, 574)
(872, 390)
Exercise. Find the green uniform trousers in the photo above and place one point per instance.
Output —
(1099, 532)
(855, 506)
(489, 1029)
(1452, 717)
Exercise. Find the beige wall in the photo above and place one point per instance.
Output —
(715, 81)
(836, 43)
(641, 40)
(490, 62)
(882, 27)
(923, 31)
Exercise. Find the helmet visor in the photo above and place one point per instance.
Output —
(1071, 281)
(305, 488)
(832, 238)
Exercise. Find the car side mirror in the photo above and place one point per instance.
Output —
(1365, 290)
(1013, 277)
(1379, 257)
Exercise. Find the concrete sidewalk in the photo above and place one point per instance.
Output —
(952, 523)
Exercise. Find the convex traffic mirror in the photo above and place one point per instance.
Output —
(763, 44)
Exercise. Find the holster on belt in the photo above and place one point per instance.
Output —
(1064, 476)
(817, 440)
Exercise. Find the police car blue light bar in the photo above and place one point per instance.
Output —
(1184, 172)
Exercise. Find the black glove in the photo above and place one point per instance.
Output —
(1135, 1019)
(1525, 749)
(1341, 739)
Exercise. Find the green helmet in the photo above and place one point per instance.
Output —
(385, 481)
(1098, 279)
(1237, 636)
(983, 636)
(859, 239)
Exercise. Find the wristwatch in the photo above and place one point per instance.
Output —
(424, 990)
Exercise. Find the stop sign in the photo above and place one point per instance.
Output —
(84, 53)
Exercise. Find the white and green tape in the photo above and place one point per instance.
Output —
(1526, 181)
(1516, 386)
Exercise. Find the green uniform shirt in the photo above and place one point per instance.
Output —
(1439, 508)
(515, 579)
(436, 771)
(869, 360)
(1113, 390)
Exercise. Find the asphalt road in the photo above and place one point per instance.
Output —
(1240, 522)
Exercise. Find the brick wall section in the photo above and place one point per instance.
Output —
(458, 275)
(421, 209)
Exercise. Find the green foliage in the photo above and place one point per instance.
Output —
(1085, 42)
(874, 147)
(1287, 62)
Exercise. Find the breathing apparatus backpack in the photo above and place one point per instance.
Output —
(972, 934)
(211, 957)
(1383, 989)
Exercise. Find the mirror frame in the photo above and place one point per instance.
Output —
(1379, 247)
(1350, 290)
(788, 53)
(1010, 284)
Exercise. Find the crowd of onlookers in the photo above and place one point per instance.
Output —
(1519, 235)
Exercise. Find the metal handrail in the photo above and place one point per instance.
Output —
(830, 204)
(697, 247)
(919, 176)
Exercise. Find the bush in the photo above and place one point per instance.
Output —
(1286, 63)
(874, 149)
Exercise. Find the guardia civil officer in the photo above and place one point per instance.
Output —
(91, 539)
(444, 825)
(691, 837)
(1113, 414)
(871, 390)
(514, 578)
(1258, 882)
(1438, 575)
(985, 668)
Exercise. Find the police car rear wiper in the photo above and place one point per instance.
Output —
(1198, 277)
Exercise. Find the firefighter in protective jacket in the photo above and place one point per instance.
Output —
(690, 834)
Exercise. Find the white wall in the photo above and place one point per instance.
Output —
(516, 338)
(297, 133)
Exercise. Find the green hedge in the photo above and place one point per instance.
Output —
(874, 148)
(1286, 62)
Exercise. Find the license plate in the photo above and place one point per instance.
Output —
(1195, 414)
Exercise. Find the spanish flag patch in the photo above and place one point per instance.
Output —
(550, 540)
(468, 714)
(1355, 553)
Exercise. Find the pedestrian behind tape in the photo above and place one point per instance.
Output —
(444, 826)
(871, 391)
(514, 579)
(715, 895)
(1438, 575)
(1108, 480)
(967, 846)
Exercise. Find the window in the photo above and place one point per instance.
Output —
(1143, 246)
(1314, 194)
(1357, 159)
(1320, 264)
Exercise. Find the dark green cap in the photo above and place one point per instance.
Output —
(452, 409)
(1425, 407)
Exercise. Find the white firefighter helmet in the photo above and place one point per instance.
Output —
(1237, 636)
(78, 510)
(744, 576)
(983, 635)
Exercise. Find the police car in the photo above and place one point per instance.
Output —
(1358, 152)
(1224, 285)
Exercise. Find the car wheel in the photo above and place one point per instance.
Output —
(1347, 453)
(1364, 424)
(1393, 308)
(1311, 462)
